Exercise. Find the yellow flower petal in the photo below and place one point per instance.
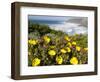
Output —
(69, 44)
(59, 60)
(67, 38)
(73, 43)
(52, 52)
(36, 62)
(68, 49)
(74, 60)
(47, 39)
(63, 50)
(52, 46)
(32, 42)
(78, 48)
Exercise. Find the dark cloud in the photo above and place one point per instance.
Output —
(82, 21)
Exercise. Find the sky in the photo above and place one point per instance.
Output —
(68, 24)
(48, 18)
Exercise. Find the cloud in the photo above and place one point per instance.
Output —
(83, 21)
(70, 28)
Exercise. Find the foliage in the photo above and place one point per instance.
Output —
(50, 47)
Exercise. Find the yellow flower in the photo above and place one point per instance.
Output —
(46, 39)
(59, 60)
(36, 62)
(86, 49)
(68, 49)
(78, 48)
(73, 43)
(69, 44)
(74, 60)
(32, 42)
(52, 52)
(52, 46)
(63, 50)
(67, 38)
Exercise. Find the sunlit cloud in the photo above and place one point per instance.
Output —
(69, 28)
